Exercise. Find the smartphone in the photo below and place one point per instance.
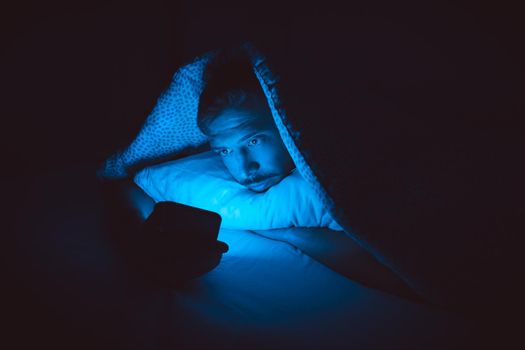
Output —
(178, 243)
(180, 225)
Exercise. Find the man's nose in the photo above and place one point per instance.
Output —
(247, 165)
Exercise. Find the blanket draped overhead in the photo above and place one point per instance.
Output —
(386, 128)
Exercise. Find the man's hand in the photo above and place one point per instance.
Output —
(173, 268)
(166, 258)
(172, 258)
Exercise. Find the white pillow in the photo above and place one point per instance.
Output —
(203, 181)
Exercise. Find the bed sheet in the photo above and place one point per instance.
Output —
(268, 294)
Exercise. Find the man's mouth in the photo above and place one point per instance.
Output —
(262, 185)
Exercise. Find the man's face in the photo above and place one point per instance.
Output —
(251, 148)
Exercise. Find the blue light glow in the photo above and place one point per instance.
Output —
(202, 181)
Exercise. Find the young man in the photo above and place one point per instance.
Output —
(234, 114)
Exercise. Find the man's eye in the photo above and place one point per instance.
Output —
(254, 142)
(224, 152)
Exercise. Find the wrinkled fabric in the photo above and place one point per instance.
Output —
(169, 129)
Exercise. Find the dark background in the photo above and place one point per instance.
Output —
(78, 79)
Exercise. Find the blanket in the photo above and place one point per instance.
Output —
(379, 123)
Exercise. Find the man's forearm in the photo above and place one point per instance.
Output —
(343, 255)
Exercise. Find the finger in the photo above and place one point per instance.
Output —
(221, 247)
